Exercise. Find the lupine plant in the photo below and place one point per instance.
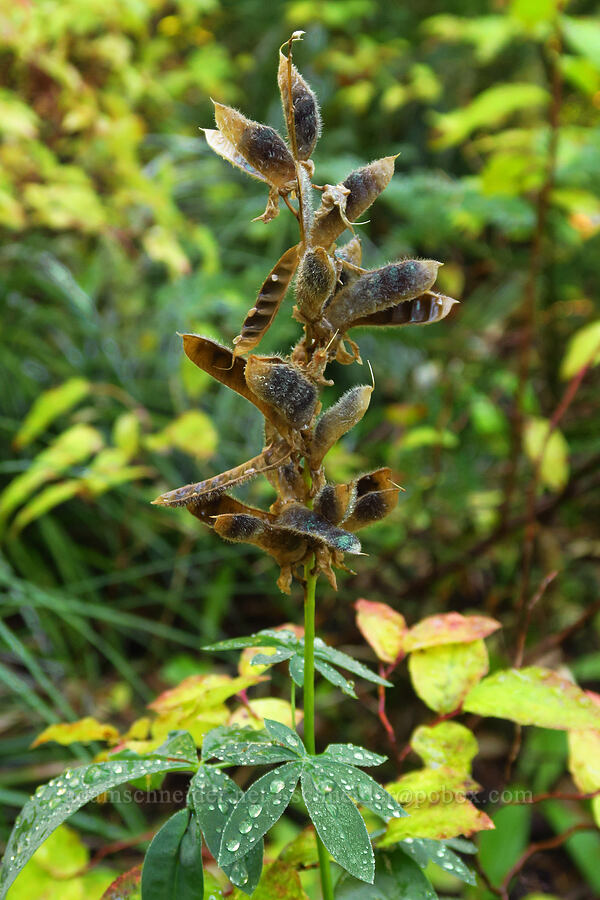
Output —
(309, 530)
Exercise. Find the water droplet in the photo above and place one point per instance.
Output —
(277, 786)
(239, 873)
(224, 807)
(245, 827)
(254, 811)
(232, 845)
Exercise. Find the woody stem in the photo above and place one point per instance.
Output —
(310, 586)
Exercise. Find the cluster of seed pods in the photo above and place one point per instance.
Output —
(334, 295)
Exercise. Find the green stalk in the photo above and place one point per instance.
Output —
(310, 586)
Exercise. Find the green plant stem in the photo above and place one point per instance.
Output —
(310, 587)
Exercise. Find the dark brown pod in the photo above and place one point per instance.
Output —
(261, 316)
(271, 457)
(379, 289)
(377, 496)
(224, 366)
(208, 508)
(283, 387)
(335, 502)
(226, 150)
(339, 419)
(315, 282)
(424, 310)
(260, 145)
(301, 520)
(307, 117)
(363, 186)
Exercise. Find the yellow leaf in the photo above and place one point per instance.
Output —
(382, 627)
(549, 447)
(193, 432)
(83, 731)
(583, 349)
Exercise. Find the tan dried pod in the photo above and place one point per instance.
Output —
(315, 282)
(335, 502)
(339, 419)
(307, 117)
(224, 366)
(430, 307)
(379, 289)
(364, 186)
(283, 387)
(350, 253)
(269, 458)
(300, 520)
(261, 316)
(260, 145)
(225, 149)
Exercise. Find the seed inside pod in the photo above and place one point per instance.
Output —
(315, 282)
(335, 501)
(283, 387)
(426, 309)
(339, 419)
(260, 145)
(380, 288)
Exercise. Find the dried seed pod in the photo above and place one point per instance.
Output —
(315, 282)
(379, 289)
(377, 496)
(289, 484)
(225, 149)
(283, 387)
(426, 309)
(300, 520)
(270, 458)
(261, 316)
(307, 117)
(339, 419)
(363, 186)
(350, 252)
(335, 502)
(224, 366)
(260, 145)
(207, 508)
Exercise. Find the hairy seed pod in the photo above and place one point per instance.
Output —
(225, 149)
(363, 186)
(307, 118)
(335, 502)
(350, 252)
(283, 387)
(379, 289)
(220, 363)
(315, 282)
(301, 520)
(260, 145)
(261, 316)
(423, 310)
(339, 419)
(270, 458)
(377, 496)
(208, 508)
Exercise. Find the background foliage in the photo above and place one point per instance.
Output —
(120, 228)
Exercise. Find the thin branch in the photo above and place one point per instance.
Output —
(548, 844)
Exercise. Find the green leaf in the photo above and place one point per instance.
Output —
(339, 825)
(428, 436)
(396, 878)
(42, 503)
(252, 753)
(488, 110)
(214, 796)
(424, 851)
(442, 676)
(336, 678)
(173, 863)
(361, 787)
(180, 744)
(48, 406)
(262, 805)
(337, 658)
(297, 669)
(534, 696)
(445, 744)
(266, 638)
(501, 847)
(352, 755)
(583, 349)
(56, 801)
(219, 737)
(192, 432)
(532, 12)
(583, 36)
(551, 448)
(286, 736)
(382, 627)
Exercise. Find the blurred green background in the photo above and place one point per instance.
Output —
(120, 228)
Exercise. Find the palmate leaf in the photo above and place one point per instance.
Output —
(260, 807)
(338, 823)
(56, 801)
(343, 661)
(214, 796)
(173, 864)
(286, 736)
(396, 878)
(362, 788)
(352, 755)
(424, 851)
(224, 735)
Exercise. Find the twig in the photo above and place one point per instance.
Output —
(555, 640)
(548, 844)
(554, 795)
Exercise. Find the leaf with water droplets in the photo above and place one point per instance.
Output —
(352, 755)
(339, 824)
(396, 878)
(423, 851)
(337, 658)
(253, 753)
(179, 744)
(266, 638)
(297, 669)
(226, 734)
(534, 696)
(336, 678)
(173, 864)
(214, 796)
(362, 788)
(56, 801)
(286, 736)
(260, 807)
